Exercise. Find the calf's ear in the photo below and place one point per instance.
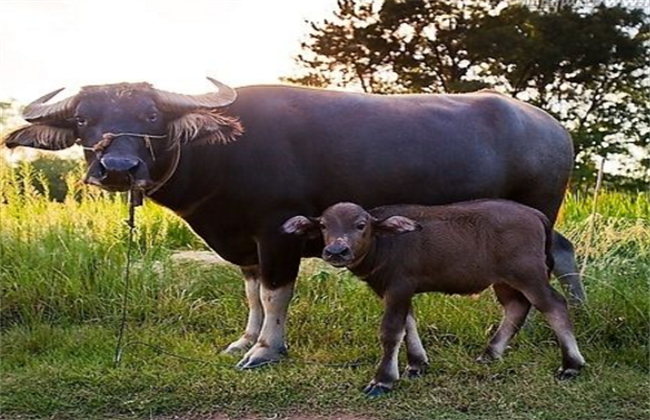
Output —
(40, 136)
(301, 225)
(395, 225)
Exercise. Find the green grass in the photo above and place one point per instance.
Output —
(62, 285)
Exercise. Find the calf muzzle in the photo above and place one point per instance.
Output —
(337, 254)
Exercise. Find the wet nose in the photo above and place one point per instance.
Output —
(336, 250)
(118, 164)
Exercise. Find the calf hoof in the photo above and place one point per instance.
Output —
(413, 372)
(567, 374)
(374, 390)
(259, 356)
(237, 347)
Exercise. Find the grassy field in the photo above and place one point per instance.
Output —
(62, 284)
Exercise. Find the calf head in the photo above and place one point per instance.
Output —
(128, 130)
(348, 231)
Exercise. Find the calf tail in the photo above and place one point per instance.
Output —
(548, 244)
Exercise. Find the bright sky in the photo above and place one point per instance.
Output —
(45, 45)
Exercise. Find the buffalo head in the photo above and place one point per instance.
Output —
(128, 130)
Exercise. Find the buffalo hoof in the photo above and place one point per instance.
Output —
(487, 358)
(576, 296)
(567, 374)
(577, 301)
(259, 356)
(374, 390)
(238, 347)
(413, 372)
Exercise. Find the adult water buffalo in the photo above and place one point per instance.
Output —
(236, 164)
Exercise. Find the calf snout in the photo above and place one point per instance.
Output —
(338, 253)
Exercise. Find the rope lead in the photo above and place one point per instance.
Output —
(135, 200)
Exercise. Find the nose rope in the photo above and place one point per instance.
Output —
(170, 172)
(107, 138)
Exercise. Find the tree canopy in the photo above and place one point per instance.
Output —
(588, 66)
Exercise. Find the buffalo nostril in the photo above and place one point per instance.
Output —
(118, 164)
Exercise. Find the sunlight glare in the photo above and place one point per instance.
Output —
(45, 45)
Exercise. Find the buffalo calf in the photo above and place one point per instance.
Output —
(462, 249)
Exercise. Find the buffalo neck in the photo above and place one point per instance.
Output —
(198, 177)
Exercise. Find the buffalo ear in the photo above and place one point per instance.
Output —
(41, 136)
(301, 225)
(395, 225)
(207, 126)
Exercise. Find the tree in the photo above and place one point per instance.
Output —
(9, 119)
(589, 67)
(345, 51)
(402, 46)
(9, 115)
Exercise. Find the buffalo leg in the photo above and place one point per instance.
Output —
(415, 353)
(554, 307)
(255, 312)
(515, 310)
(270, 345)
(566, 269)
(392, 332)
(279, 263)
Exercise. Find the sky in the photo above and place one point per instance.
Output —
(45, 45)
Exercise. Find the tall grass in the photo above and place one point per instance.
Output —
(62, 274)
(65, 261)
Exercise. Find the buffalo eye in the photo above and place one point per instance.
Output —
(153, 117)
(81, 121)
(322, 226)
(361, 225)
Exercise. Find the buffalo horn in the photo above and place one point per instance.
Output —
(40, 111)
(178, 102)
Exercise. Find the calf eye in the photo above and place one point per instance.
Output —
(361, 225)
(81, 121)
(153, 117)
(322, 226)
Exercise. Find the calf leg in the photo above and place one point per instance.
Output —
(415, 353)
(255, 312)
(515, 310)
(392, 333)
(554, 307)
(566, 269)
